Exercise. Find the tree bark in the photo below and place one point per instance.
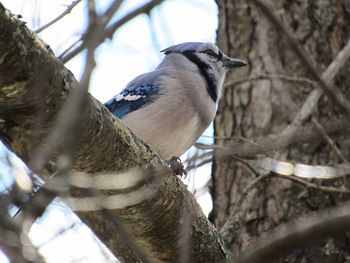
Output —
(265, 107)
(34, 86)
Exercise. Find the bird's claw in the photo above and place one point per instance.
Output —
(177, 166)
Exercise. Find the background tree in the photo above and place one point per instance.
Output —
(277, 97)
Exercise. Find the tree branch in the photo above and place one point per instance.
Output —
(34, 86)
(249, 149)
(310, 103)
(66, 12)
(109, 31)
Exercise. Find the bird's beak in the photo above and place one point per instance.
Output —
(233, 62)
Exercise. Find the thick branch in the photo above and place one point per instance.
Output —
(33, 87)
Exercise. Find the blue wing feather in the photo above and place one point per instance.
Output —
(132, 98)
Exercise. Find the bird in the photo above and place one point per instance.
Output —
(170, 107)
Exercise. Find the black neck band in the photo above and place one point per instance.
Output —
(204, 68)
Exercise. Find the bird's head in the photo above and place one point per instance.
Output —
(206, 52)
(212, 63)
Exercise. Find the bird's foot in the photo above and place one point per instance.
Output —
(177, 166)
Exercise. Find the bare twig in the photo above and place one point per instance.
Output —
(268, 144)
(290, 78)
(330, 141)
(307, 184)
(66, 12)
(337, 63)
(340, 170)
(111, 10)
(198, 159)
(310, 103)
(59, 233)
(241, 199)
(228, 229)
(109, 31)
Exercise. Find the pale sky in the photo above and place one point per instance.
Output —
(133, 50)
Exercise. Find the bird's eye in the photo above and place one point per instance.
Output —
(210, 53)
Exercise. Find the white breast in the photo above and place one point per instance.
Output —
(173, 123)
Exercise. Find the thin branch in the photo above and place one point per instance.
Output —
(110, 30)
(290, 78)
(267, 144)
(255, 167)
(337, 63)
(66, 12)
(229, 229)
(310, 103)
(111, 10)
(330, 141)
(307, 184)
(60, 233)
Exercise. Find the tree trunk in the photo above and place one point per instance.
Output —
(260, 108)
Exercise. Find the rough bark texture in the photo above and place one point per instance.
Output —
(259, 108)
(33, 87)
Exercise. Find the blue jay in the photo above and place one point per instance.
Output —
(170, 107)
